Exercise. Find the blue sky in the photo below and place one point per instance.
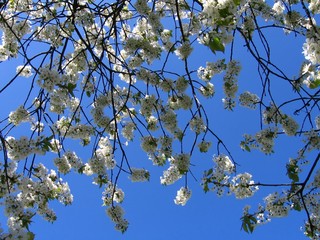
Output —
(149, 207)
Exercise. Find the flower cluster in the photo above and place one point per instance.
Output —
(112, 194)
(103, 158)
(139, 175)
(183, 195)
(263, 140)
(24, 71)
(116, 215)
(19, 116)
(171, 175)
(184, 51)
(249, 100)
(276, 205)
(230, 86)
(242, 186)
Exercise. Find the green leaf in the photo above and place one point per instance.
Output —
(248, 223)
(247, 148)
(215, 44)
(315, 84)
(209, 172)
(205, 187)
(297, 207)
(30, 236)
(292, 172)
(237, 2)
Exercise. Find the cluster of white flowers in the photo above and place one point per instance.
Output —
(181, 84)
(18, 149)
(152, 123)
(271, 114)
(51, 34)
(24, 71)
(317, 121)
(197, 125)
(181, 161)
(249, 100)
(230, 86)
(79, 131)
(181, 101)
(184, 50)
(149, 144)
(169, 119)
(212, 12)
(211, 69)
(265, 139)
(183, 195)
(67, 161)
(13, 30)
(62, 164)
(103, 158)
(242, 186)
(127, 131)
(207, 90)
(289, 125)
(170, 176)
(223, 163)
(116, 215)
(139, 175)
(278, 7)
(112, 194)
(313, 140)
(18, 116)
(48, 78)
(275, 205)
(219, 175)
(148, 103)
(314, 6)
(311, 50)
(30, 197)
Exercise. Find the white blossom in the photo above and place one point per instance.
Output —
(183, 196)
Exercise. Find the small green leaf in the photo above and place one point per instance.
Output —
(205, 187)
(237, 2)
(248, 223)
(215, 44)
(209, 172)
(292, 172)
(315, 84)
(247, 148)
(30, 236)
(297, 207)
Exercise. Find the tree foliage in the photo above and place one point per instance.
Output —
(111, 74)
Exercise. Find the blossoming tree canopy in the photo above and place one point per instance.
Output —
(111, 74)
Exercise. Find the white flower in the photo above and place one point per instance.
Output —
(183, 51)
(55, 145)
(242, 186)
(170, 176)
(24, 71)
(290, 126)
(197, 125)
(317, 120)
(139, 175)
(19, 116)
(249, 100)
(224, 163)
(183, 196)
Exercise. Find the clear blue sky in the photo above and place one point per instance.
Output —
(149, 206)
